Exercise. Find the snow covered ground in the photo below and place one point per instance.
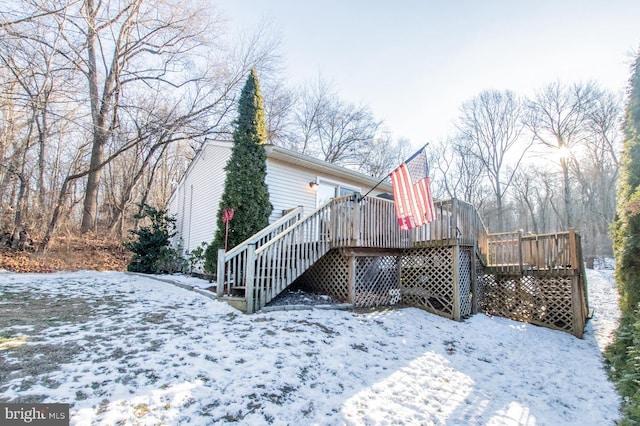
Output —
(124, 349)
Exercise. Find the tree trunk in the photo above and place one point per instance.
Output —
(90, 206)
(499, 205)
(55, 215)
(567, 193)
(98, 114)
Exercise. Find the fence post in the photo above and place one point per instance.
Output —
(249, 277)
(221, 273)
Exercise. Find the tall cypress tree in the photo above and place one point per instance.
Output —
(623, 356)
(245, 189)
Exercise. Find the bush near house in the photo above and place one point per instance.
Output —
(152, 253)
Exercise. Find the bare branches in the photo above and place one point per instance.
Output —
(490, 128)
(122, 76)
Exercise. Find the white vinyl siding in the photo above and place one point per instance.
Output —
(197, 197)
(289, 188)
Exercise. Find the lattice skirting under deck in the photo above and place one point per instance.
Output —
(426, 279)
(329, 275)
(376, 282)
(539, 299)
(464, 281)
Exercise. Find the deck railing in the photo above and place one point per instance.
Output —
(517, 252)
(456, 222)
(233, 261)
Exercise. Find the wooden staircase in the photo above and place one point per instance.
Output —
(259, 269)
(250, 275)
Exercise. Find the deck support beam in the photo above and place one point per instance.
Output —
(456, 282)
(352, 278)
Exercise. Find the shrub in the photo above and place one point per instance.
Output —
(197, 257)
(151, 251)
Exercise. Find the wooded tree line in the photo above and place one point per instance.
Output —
(103, 104)
(543, 164)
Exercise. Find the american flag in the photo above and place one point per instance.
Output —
(412, 193)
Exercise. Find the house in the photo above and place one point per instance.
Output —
(350, 247)
(293, 180)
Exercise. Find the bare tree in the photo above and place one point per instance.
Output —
(490, 129)
(279, 101)
(313, 99)
(383, 154)
(343, 132)
(125, 51)
(328, 128)
(595, 167)
(533, 192)
(34, 86)
(558, 117)
(457, 175)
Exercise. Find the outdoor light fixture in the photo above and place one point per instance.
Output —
(313, 184)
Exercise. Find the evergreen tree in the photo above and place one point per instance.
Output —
(245, 190)
(626, 229)
(623, 356)
(152, 253)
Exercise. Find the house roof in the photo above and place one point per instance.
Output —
(292, 157)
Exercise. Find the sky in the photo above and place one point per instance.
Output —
(128, 349)
(415, 62)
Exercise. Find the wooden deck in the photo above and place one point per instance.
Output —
(365, 229)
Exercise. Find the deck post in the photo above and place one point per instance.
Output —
(456, 282)
(520, 252)
(573, 251)
(453, 230)
(474, 281)
(352, 278)
(577, 307)
(355, 221)
(221, 274)
(249, 276)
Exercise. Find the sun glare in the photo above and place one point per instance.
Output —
(564, 152)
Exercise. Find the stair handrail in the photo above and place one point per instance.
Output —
(304, 233)
(258, 239)
(286, 220)
(297, 224)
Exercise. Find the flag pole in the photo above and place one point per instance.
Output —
(385, 178)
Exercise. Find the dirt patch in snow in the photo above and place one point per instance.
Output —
(24, 352)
